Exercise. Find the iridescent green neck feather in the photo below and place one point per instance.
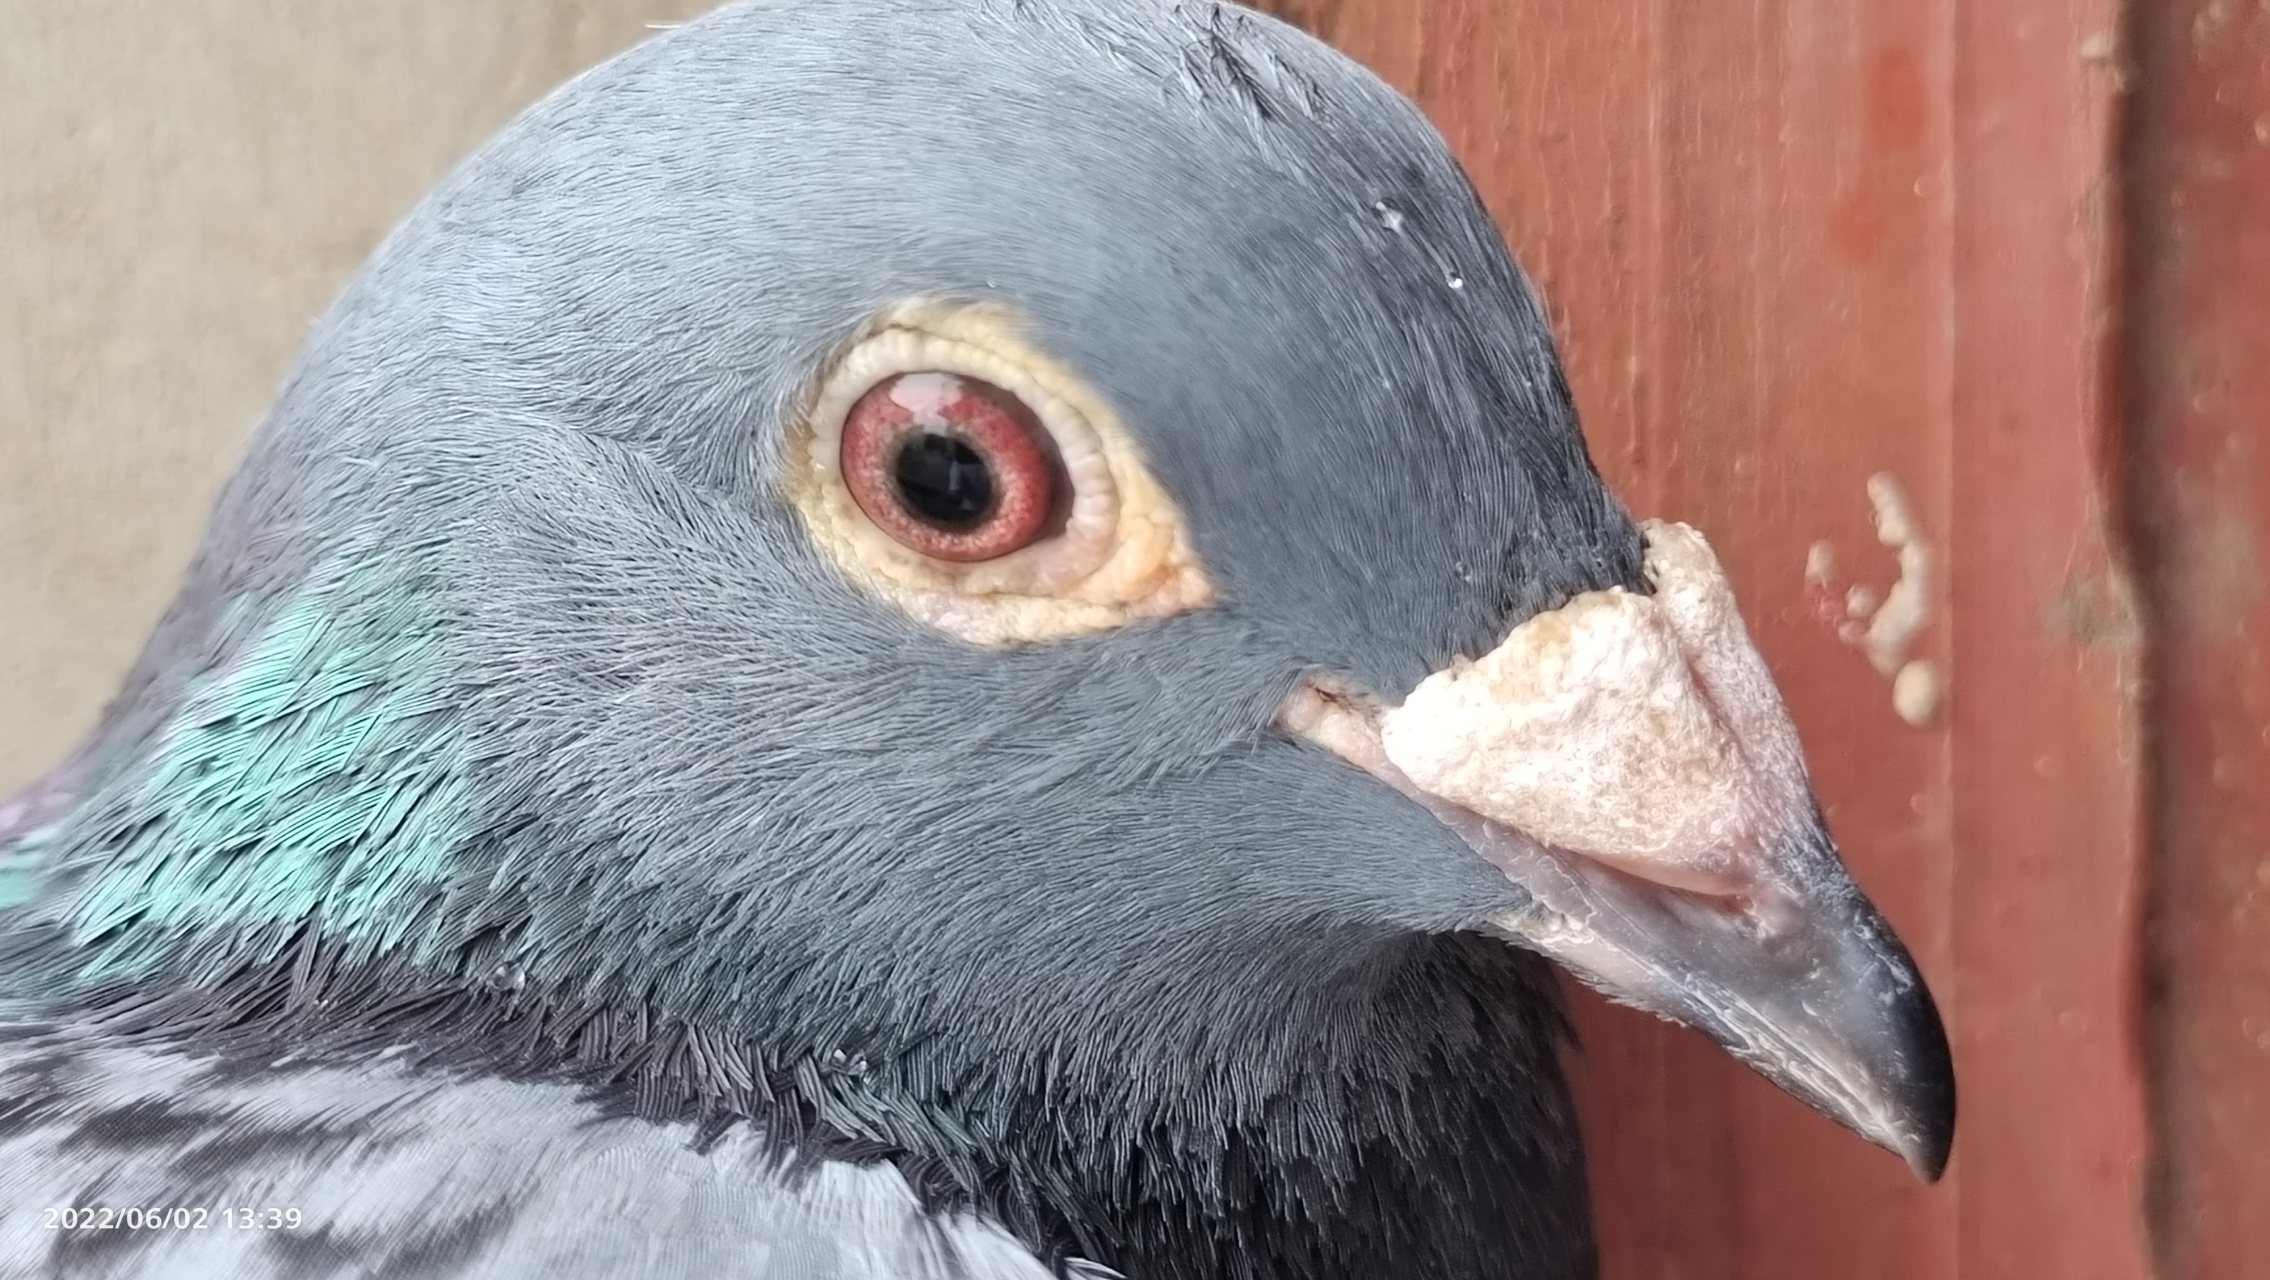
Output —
(318, 772)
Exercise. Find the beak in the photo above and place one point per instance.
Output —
(1627, 761)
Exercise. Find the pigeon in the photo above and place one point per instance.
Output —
(919, 639)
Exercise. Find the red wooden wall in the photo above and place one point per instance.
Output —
(2197, 155)
(1791, 245)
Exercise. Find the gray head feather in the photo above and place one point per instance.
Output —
(706, 775)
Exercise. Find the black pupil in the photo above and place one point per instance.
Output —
(943, 481)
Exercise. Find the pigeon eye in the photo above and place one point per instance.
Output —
(982, 486)
(951, 466)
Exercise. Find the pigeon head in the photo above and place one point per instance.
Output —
(955, 557)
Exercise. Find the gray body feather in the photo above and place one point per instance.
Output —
(392, 1171)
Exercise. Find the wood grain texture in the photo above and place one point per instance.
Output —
(1790, 245)
(2197, 154)
(2048, 798)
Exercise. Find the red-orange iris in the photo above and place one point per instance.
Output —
(951, 466)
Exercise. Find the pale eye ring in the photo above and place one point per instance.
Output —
(982, 486)
(953, 467)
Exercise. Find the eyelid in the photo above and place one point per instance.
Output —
(1124, 552)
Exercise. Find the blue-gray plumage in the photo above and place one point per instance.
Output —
(531, 846)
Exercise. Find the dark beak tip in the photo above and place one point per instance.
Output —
(1927, 1155)
(1930, 1102)
(1929, 1165)
(1932, 1142)
(1937, 1142)
(1929, 1159)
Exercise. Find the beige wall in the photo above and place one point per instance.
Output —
(184, 184)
